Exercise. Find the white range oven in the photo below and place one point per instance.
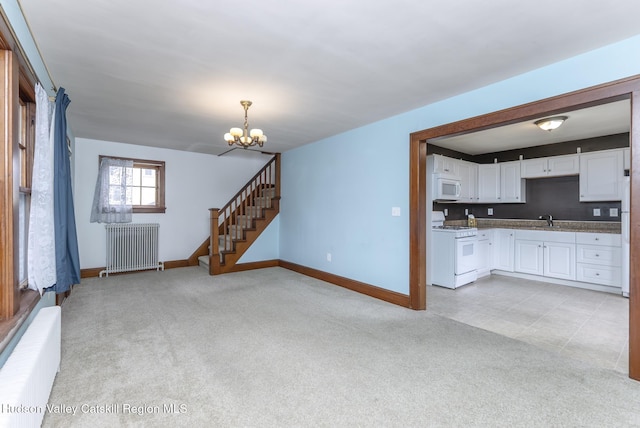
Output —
(454, 253)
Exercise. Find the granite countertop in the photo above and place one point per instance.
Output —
(558, 225)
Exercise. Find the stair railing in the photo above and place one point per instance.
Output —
(241, 204)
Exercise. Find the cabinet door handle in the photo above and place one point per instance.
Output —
(597, 255)
(597, 239)
(597, 273)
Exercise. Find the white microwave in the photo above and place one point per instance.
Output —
(446, 187)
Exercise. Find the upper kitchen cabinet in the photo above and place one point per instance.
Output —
(489, 182)
(511, 184)
(601, 175)
(468, 173)
(445, 165)
(555, 166)
(500, 183)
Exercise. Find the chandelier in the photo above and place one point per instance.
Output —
(243, 137)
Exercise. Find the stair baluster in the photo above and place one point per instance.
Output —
(235, 226)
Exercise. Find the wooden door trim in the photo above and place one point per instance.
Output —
(628, 88)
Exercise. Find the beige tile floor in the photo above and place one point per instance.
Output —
(587, 325)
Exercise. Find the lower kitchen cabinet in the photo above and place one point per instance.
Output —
(560, 260)
(485, 252)
(599, 258)
(528, 257)
(593, 258)
(550, 254)
(503, 251)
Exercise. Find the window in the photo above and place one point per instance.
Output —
(144, 184)
(26, 138)
(16, 159)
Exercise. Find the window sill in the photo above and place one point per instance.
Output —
(149, 210)
(9, 327)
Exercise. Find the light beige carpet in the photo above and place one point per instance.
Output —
(273, 348)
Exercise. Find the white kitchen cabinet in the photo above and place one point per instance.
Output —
(599, 258)
(555, 166)
(546, 253)
(485, 252)
(503, 250)
(468, 173)
(534, 168)
(529, 257)
(445, 165)
(511, 184)
(500, 183)
(560, 260)
(601, 175)
(489, 182)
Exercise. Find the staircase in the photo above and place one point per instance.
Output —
(239, 223)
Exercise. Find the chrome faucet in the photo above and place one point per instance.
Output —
(547, 217)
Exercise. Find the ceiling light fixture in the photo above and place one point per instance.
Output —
(243, 137)
(551, 123)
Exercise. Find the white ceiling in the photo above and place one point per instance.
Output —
(171, 73)
(606, 119)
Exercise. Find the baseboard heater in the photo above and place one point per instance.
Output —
(132, 247)
(27, 376)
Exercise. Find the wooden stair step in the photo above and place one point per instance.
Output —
(269, 192)
(245, 220)
(262, 201)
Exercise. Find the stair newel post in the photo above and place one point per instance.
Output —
(214, 251)
(277, 177)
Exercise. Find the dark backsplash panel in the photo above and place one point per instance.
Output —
(557, 196)
(615, 141)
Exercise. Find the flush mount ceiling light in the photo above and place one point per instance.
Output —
(551, 123)
(243, 137)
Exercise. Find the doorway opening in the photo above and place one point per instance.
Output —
(602, 94)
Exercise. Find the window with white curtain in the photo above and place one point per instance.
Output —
(127, 186)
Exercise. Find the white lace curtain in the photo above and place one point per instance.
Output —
(110, 201)
(41, 250)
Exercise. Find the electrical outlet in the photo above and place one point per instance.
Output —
(489, 211)
(395, 211)
(446, 212)
(613, 212)
(466, 211)
(328, 257)
(596, 212)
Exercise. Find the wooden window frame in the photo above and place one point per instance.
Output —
(18, 88)
(159, 166)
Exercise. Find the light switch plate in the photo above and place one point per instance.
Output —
(613, 212)
(596, 212)
(446, 212)
(395, 211)
(489, 211)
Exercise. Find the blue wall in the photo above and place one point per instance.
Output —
(337, 193)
